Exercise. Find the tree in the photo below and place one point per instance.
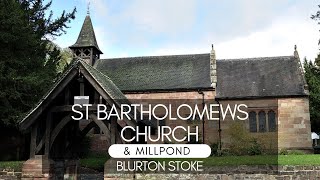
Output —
(316, 17)
(312, 74)
(27, 66)
(317, 60)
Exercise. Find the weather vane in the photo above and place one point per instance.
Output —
(88, 8)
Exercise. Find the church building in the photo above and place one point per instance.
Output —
(273, 88)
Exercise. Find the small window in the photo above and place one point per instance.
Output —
(253, 121)
(272, 121)
(262, 121)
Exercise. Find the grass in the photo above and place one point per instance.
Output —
(240, 160)
(94, 161)
(15, 165)
(310, 159)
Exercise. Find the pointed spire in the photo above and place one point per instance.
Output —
(87, 37)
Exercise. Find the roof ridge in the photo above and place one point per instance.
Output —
(256, 58)
(97, 70)
(156, 56)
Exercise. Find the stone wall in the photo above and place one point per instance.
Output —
(8, 174)
(178, 98)
(293, 119)
(294, 128)
(293, 122)
(256, 105)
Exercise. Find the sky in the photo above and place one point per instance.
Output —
(236, 28)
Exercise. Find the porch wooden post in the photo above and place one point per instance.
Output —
(33, 141)
(48, 134)
(96, 97)
(67, 96)
(113, 130)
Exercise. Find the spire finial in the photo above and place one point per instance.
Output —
(212, 46)
(88, 8)
(295, 53)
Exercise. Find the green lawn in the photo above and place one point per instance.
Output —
(240, 160)
(309, 159)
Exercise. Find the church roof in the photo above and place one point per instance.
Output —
(237, 78)
(260, 77)
(158, 72)
(87, 36)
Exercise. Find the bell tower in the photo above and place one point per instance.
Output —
(86, 46)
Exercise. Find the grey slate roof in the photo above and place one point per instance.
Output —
(158, 72)
(106, 83)
(259, 77)
(237, 78)
(87, 37)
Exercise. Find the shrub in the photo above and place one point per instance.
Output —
(214, 149)
(255, 148)
(283, 152)
(242, 142)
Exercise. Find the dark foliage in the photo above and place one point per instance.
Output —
(312, 74)
(27, 60)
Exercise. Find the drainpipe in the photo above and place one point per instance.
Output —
(219, 131)
(202, 93)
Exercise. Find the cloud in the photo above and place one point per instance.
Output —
(276, 40)
(165, 16)
(238, 28)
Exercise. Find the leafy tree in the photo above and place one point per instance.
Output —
(28, 65)
(317, 60)
(312, 74)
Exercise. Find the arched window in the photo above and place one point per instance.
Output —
(253, 121)
(272, 121)
(262, 121)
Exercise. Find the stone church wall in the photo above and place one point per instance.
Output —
(292, 120)
(294, 123)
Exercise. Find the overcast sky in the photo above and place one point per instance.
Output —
(237, 28)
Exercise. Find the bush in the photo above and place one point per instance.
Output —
(283, 152)
(255, 148)
(242, 143)
(214, 149)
